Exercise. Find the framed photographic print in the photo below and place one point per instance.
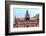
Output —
(24, 17)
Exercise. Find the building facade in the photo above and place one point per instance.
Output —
(27, 21)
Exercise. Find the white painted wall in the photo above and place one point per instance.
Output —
(2, 17)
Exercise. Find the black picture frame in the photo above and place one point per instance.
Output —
(7, 3)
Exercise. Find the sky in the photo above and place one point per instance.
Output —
(20, 12)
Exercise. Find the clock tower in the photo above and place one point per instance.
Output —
(27, 17)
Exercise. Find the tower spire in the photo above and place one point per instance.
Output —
(27, 17)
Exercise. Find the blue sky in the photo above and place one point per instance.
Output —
(20, 12)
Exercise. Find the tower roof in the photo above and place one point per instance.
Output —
(27, 15)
